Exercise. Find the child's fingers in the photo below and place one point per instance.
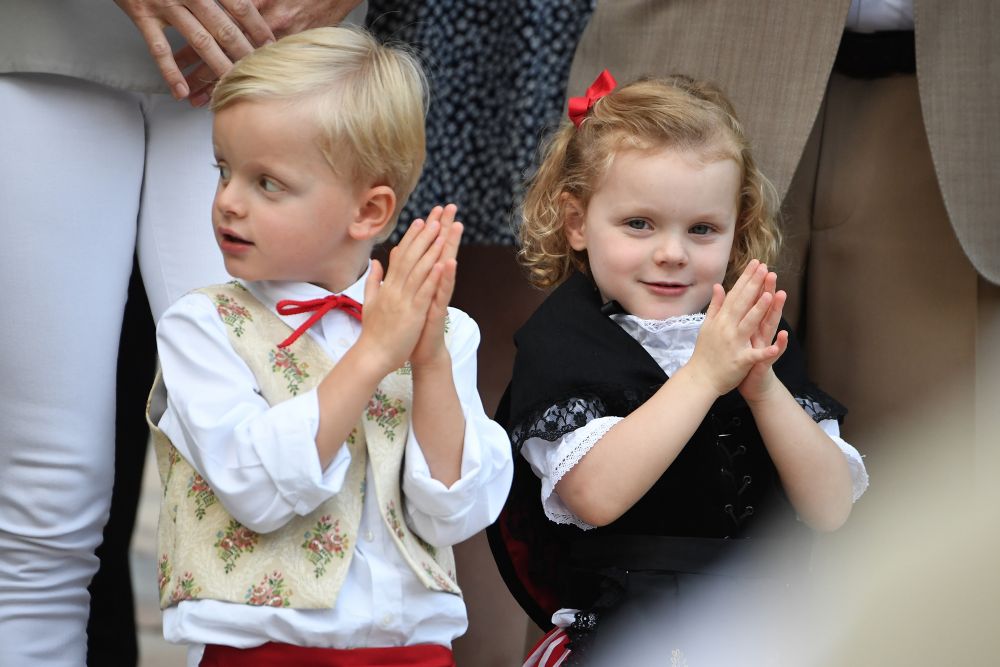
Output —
(718, 297)
(770, 353)
(773, 318)
(750, 323)
(781, 342)
(446, 286)
(373, 282)
(448, 214)
(446, 217)
(420, 253)
(745, 277)
(421, 269)
(452, 240)
(435, 214)
(746, 291)
(426, 291)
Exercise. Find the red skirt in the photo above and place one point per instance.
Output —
(550, 651)
(281, 655)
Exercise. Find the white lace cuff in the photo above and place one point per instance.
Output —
(552, 460)
(855, 462)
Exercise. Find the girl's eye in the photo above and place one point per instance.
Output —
(223, 171)
(637, 223)
(701, 229)
(269, 186)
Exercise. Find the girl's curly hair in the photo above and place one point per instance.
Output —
(674, 112)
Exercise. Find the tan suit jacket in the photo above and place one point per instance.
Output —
(774, 57)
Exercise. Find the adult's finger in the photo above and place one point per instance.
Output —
(151, 29)
(249, 19)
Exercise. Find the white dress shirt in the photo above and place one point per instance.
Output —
(262, 463)
(876, 15)
(671, 343)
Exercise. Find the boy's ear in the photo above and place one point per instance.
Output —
(574, 215)
(376, 205)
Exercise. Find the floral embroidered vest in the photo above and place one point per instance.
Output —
(205, 553)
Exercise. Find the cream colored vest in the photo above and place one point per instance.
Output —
(206, 554)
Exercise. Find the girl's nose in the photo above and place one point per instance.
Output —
(670, 250)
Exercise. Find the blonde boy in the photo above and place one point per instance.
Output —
(320, 438)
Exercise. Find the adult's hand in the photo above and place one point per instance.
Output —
(287, 17)
(219, 32)
(283, 17)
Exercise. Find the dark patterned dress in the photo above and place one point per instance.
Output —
(497, 71)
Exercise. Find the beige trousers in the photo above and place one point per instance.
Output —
(897, 323)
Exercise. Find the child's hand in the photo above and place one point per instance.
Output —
(761, 379)
(430, 347)
(395, 310)
(724, 353)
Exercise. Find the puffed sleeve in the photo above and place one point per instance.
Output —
(447, 515)
(260, 460)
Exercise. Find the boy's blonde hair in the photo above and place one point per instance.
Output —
(676, 112)
(369, 99)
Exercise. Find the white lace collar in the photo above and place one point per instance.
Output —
(670, 342)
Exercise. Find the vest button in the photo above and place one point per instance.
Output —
(386, 620)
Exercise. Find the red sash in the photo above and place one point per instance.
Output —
(281, 655)
(550, 651)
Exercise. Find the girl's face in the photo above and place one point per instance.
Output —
(658, 230)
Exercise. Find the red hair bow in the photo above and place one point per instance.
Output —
(579, 106)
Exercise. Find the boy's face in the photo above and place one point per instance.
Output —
(280, 211)
(658, 230)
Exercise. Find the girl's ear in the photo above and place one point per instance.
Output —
(377, 204)
(574, 219)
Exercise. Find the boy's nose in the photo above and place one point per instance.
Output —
(228, 200)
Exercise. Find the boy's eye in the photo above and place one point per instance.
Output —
(637, 223)
(269, 186)
(701, 229)
(223, 171)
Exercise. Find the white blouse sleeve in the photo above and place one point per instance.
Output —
(442, 515)
(855, 462)
(261, 461)
(551, 460)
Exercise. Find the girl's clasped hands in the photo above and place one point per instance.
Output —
(739, 341)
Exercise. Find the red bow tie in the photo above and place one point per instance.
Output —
(318, 308)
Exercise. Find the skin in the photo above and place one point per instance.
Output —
(281, 212)
(218, 33)
(282, 17)
(658, 232)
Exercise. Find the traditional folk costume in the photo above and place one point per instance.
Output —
(717, 514)
(261, 548)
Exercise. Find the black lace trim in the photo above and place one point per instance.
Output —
(553, 422)
(819, 405)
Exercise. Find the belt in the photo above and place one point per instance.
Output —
(876, 55)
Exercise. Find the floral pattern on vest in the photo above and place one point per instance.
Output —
(204, 553)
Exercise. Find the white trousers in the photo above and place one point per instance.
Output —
(88, 176)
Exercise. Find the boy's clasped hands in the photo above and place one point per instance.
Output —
(404, 314)
(739, 341)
